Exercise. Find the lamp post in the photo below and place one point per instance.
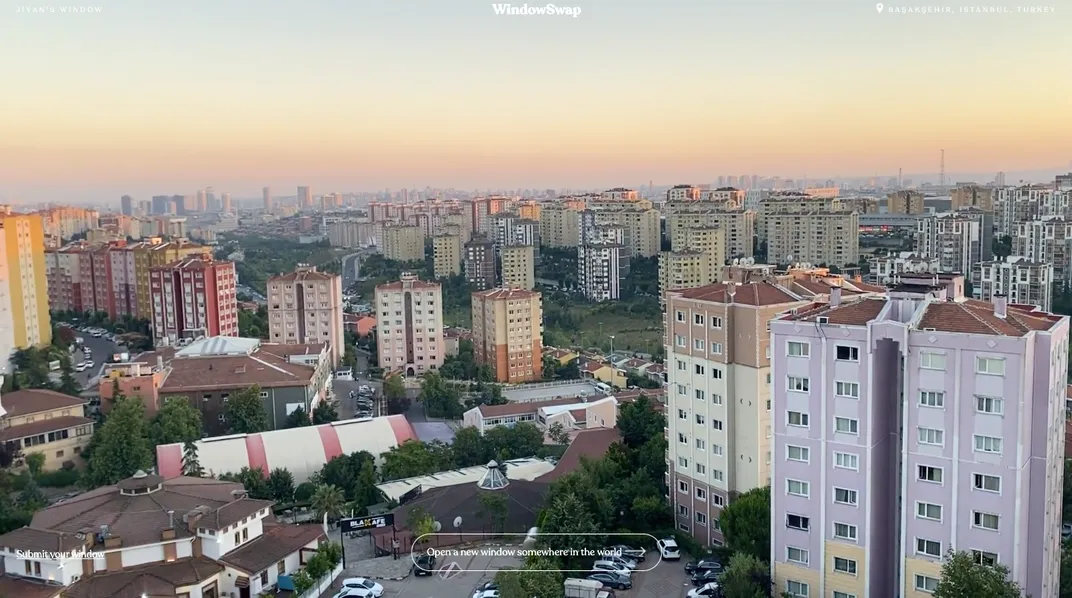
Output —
(611, 343)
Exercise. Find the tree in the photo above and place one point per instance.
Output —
(569, 526)
(395, 392)
(252, 480)
(745, 523)
(470, 448)
(440, 398)
(420, 522)
(328, 500)
(746, 577)
(121, 445)
(413, 458)
(1066, 570)
(963, 577)
(538, 578)
(365, 492)
(281, 485)
(519, 441)
(299, 418)
(325, 413)
(558, 433)
(493, 507)
(639, 421)
(191, 464)
(245, 412)
(177, 421)
(68, 384)
(32, 498)
(35, 462)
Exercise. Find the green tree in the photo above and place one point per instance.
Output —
(420, 522)
(299, 418)
(35, 462)
(494, 509)
(745, 523)
(558, 433)
(328, 500)
(413, 458)
(365, 492)
(394, 390)
(252, 480)
(519, 441)
(191, 464)
(746, 577)
(1066, 570)
(177, 421)
(470, 448)
(537, 578)
(245, 412)
(325, 413)
(963, 577)
(122, 444)
(440, 397)
(639, 421)
(281, 485)
(32, 498)
(68, 384)
(569, 526)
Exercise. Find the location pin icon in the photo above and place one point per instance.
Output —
(878, 7)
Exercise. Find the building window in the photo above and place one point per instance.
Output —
(682, 414)
(683, 510)
(931, 436)
(716, 424)
(990, 365)
(932, 361)
(985, 520)
(982, 557)
(986, 483)
(928, 547)
(798, 384)
(698, 319)
(846, 425)
(716, 322)
(799, 349)
(796, 589)
(697, 344)
(682, 439)
(679, 340)
(797, 488)
(796, 555)
(926, 510)
(701, 494)
(992, 405)
(987, 444)
(698, 369)
(683, 462)
(683, 487)
(930, 474)
(847, 389)
(701, 518)
(717, 500)
(797, 453)
(838, 594)
(716, 348)
(796, 418)
(716, 373)
(680, 316)
(717, 475)
(716, 449)
(845, 496)
(845, 531)
(700, 469)
(846, 461)
(844, 353)
(264, 577)
(931, 398)
(843, 565)
(926, 584)
(798, 522)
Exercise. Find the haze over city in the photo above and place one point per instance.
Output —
(363, 95)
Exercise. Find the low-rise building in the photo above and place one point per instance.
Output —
(134, 379)
(574, 413)
(45, 422)
(1019, 279)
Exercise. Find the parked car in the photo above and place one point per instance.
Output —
(362, 583)
(637, 554)
(626, 562)
(485, 587)
(487, 594)
(710, 590)
(1066, 531)
(612, 567)
(80, 367)
(354, 593)
(703, 577)
(611, 579)
(668, 549)
(424, 564)
(89, 364)
(702, 565)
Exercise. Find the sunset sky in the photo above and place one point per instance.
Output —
(165, 97)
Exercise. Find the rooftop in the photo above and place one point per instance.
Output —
(272, 546)
(754, 293)
(309, 274)
(154, 579)
(505, 294)
(27, 402)
(528, 469)
(544, 392)
(591, 444)
(238, 363)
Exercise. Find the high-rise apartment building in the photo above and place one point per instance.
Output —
(1020, 280)
(479, 213)
(126, 205)
(409, 325)
(641, 222)
(266, 198)
(909, 425)
(446, 255)
(972, 196)
(739, 224)
(508, 333)
(1013, 205)
(403, 243)
(27, 282)
(226, 207)
(1048, 239)
(683, 193)
(601, 267)
(151, 253)
(529, 210)
(479, 263)
(560, 225)
(904, 202)
(718, 401)
(512, 230)
(518, 267)
(305, 308)
(193, 298)
(888, 269)
(697, 259)
(955, 239)
(305, 198)
(801, 228)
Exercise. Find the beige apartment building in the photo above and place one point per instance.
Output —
(812, 230)
(403, 243)
(904, 202)
(46, 422)
(560, 225)
(529, 210)
(409, 325)
(1048, 239)
(739, 224)
(718, 400)
(972, 196)
(446, 255)
(697, 259)
(518, 267)
(305, 308)
(642, 226)
(508, 333)
(794, 202)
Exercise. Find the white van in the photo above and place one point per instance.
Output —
(604, 387)
(347, 374)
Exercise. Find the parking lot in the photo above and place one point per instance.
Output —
(458, 578)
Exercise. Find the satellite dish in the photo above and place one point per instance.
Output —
(457, 522)
(437, 526)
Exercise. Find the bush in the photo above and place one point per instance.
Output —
(304, 492)
(59, 479)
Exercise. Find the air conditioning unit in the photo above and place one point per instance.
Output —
(822, 320)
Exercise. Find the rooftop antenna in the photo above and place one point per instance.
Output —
(941, 172)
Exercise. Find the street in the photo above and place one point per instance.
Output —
(102, 350)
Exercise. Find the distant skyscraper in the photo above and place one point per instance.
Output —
(305, 197)
(127, 205)
(267, 195)
(202, 202)
(226, 206)
(160, 204)
(731, 181)
(755, 182)
(999, 180)
(211, 204)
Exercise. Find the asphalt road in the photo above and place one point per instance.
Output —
(101, 349)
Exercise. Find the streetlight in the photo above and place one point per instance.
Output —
(611, 343)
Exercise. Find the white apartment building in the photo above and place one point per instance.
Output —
(718, 397)
(1030, 202)
(887, 269)
(305, 307)
(600, 268)
(409, 325)
(953, 240)
(1047, 239)
(1021, 280)
(683, 193)
(814, 230)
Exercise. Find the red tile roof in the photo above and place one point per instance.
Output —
(277, 542)
(753, 293)
(505, 294)
(977, 317)
(25, 402)
(589, 444)
(855, 313)
(44, 426)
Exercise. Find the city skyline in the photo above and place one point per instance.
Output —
(414, 93)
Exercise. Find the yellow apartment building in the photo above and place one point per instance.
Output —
(46, 422)
(27, 294)
(447, 255)
(518, 267)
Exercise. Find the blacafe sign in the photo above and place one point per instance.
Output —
(362, 523)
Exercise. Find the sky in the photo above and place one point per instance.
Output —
(151, 96)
